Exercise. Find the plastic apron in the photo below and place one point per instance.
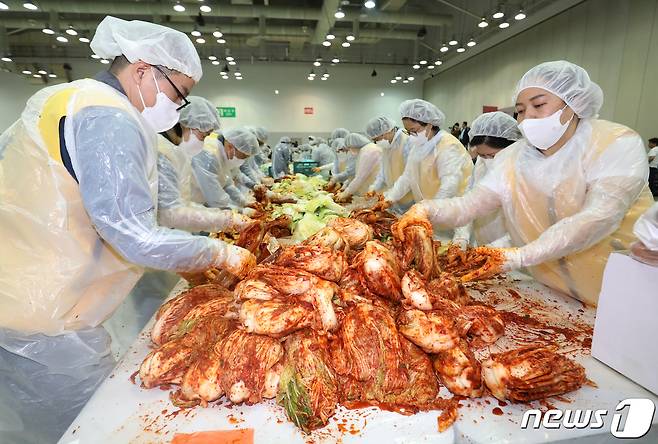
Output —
(57, 273)
(532, 211)
(393, 161)
(181, 163)
(372, 175)
(489, 228)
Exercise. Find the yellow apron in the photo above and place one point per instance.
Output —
(372, 175)
(394, 167)
(181, 163)
(579, 274)
(57, 274)
(491, 227)
(430, 182)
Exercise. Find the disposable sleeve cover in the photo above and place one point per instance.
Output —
(112, 171)
(367, 163)
(206, 172)
(646, 228)
(449, 164)
(459, 211)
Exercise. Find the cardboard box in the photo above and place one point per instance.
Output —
(626, 327)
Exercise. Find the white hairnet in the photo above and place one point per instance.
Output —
(285, 139)
(199, 114)
(148, 42)
(337, 144)
(339, 133)
(242, 139)
(495, 124)
(261, 134)
(356, 140)
(378, 126)
(569, 82)
(423, 111)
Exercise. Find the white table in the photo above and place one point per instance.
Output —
(122, 412)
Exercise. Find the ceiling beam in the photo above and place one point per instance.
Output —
(326, 21)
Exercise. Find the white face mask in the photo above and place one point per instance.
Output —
(162, 115)
(384, 144)
(419, 139)
(487, 162)
(545, 132)
(235, 162)
(192, 146)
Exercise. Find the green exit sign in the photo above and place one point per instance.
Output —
(226, 111)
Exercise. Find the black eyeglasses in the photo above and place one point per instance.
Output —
(180, 94)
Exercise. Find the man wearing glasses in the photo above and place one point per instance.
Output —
(78, 199)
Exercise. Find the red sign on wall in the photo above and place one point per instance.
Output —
(308, 110)
(489, 108)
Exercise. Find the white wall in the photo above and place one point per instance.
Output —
(349, 98)
(615, 40)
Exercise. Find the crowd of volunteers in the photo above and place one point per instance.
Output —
(103, 178)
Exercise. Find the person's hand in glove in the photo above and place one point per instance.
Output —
(235, 260)
(250, 212)
(240, 221)
(343, 197)
(641, 253)
(498, 260)
(411, 217)
(462, 244)
(267, 181)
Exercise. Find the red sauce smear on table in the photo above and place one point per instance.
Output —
(497, 411)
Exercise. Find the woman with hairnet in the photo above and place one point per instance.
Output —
(438, 165)
(216, 169)
(490, 134)
(395, 149)
(338, 146)
(281, 157)
(325, 158)
(368, 158)
(570, 191)
(251, 166)
(175, 209)
(78, 201)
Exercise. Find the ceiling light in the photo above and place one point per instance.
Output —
(237, 74)
(398, 77)
(61, 38)
(460, 49)
(335, 60)
(471, 43)
(221, 41)
(430, 66)
(6, 59)
(452, 42)
(95, 56)
(217, 34)
(498, 12)
(350, 38)
(326, 43)
(205, 8)
(438, 63)
(83, 40)
(370, 4)
(215, 62)
(71, 31)
(411, 79)
(416, 67)
(381, 94)
(42, 72)
(326, 74)
(423, 62)
(212, 57)
(3, 6)
(52, 76)
(444, 48)
(238, 78)
(373, 73)
(405, 81)
(105, 61)
(201, 40)
(196, 33)
(232, 63)
(346, 44)
(317, 63)
(330, 36)
(36, 76)
(48, 30)
(503, 25)
(483, 23)
(178, 7)
(30, 6)
(26, 72)
(394, 81)
(276, 91)
(520, 15)
(310, 78)
(323, 78)
(229, 58)
(339, 14)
